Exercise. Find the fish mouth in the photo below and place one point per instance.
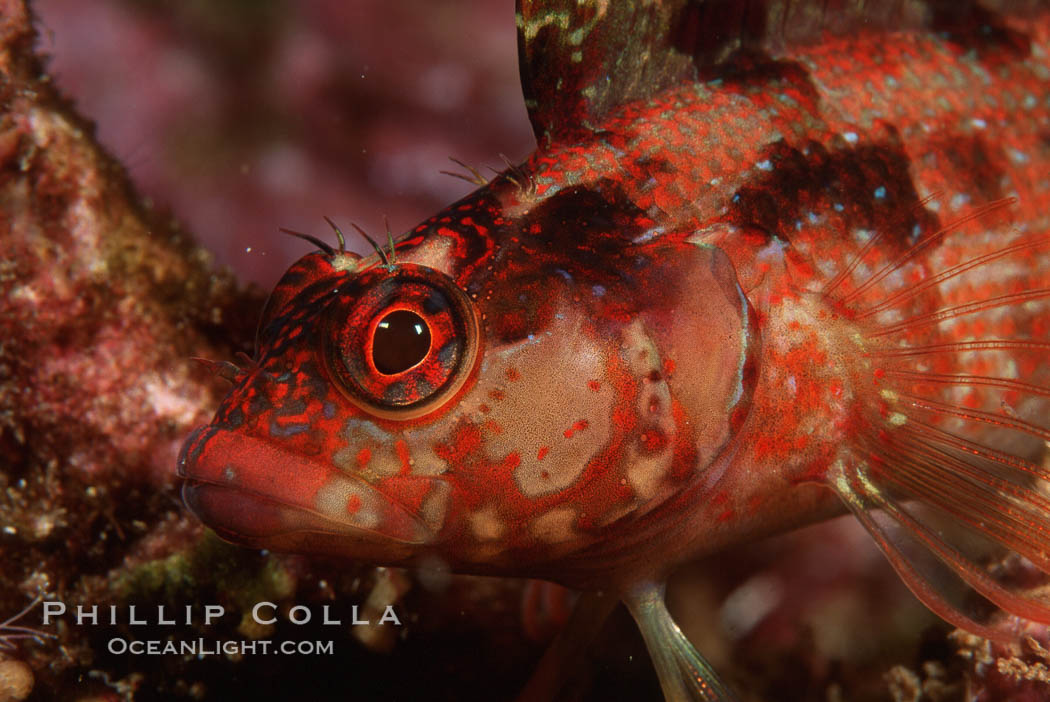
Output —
(251, 491)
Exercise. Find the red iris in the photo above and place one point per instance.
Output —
(404, 344)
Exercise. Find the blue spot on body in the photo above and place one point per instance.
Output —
(328, 409)
(1017, 156)
(839, 207)
(880, 192)
(563, 273)
(288, 429)
(598, 290)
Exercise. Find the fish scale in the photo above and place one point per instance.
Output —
(772, 261)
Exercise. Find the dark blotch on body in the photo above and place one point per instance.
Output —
(868, 184)
(969, 27)
(577, 238)
(747, 71)
(969, 161)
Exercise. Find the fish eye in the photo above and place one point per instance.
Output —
(401, 340)
(402, 343)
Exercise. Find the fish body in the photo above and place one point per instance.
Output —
(742, 285)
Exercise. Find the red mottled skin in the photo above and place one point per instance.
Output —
(705, 318)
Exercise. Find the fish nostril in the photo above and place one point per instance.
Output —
(189, 451)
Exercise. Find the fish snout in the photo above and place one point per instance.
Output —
(251, 491)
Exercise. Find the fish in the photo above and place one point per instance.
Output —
(771, 262)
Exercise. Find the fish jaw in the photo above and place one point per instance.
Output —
(229, 483)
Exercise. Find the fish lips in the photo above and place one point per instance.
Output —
(251, 491)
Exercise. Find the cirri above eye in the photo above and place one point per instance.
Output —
(404, 344)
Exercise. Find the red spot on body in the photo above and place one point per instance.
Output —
(594, 385)
(684, 450)
(578, 426)
(725, 516)
(513, 374)
(353, 504)
(653, 439)
(465, 443)
(492, 427)
(763, 446)
(542, 453)
(363, 457)
(669, 366)
(496, 395)
(408, 491)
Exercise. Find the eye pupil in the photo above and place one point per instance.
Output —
(401, 340)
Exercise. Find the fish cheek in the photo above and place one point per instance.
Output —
(708, 340)
(545, 401)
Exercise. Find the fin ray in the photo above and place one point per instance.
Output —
(950, 469)
(1014, 515)
(939, 576)
(684, 674)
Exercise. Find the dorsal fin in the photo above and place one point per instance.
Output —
(580, 59)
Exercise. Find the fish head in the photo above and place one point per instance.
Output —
(519, 391)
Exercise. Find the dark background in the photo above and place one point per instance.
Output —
(248, 115)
